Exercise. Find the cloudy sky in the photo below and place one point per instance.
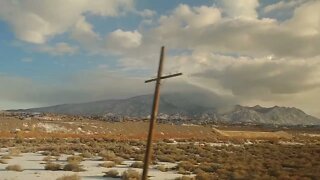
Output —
(247, 52)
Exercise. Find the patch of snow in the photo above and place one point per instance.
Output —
(189, 124)
(49, 127)
(290, 143)
(310, 135)
(34, 169)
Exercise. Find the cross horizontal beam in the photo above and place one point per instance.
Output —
(164, 77)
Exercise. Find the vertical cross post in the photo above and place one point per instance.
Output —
(154, 114)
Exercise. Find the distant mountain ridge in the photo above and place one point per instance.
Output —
(176, 106)
(272, 115)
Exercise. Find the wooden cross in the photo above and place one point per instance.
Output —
(154, 113)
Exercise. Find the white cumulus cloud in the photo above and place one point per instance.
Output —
(240, 8)
(36, 21)
(124, 39)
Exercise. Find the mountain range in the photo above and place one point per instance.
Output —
(180, 107)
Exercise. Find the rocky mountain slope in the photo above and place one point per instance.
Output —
(272, 115)
(178, 107)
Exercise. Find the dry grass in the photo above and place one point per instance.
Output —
(75, 159)
(14, 152)
(185, 178)
(53, 152)
(118, 160)
(48, 159)
(137, 164)
(131, 174)
(75, 167)
(181, 170)
(165, 158)
(206, 176)
(52, 166)
(162, 168)
(86, 155)
(134, 130)
(69, 177)
(208, 167)
(6, 157)
(107, 155)
(15, 167)
(263, 159)
(186, 165)
(109, 164)
(254, 134)
(112, 173)
(3, 161)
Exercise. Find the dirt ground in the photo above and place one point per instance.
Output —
(92, 128)
(64, 126)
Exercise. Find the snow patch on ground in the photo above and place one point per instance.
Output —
(34, 168)
(49, 127)
(310, 135)
(291, 143)
(189, 124)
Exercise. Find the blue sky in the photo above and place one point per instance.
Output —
(19, 58)
(54, 52)
(48, 67)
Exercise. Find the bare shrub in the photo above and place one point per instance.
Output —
(162, 168)
(15, 167)
(86, 154)
(112, 173)
(208, 167)
(185, 178)
(75, 159)
(168, 140)
(137, 164)
(118, 160)
(6, 157)
(205, 176)
(3, 161)
(138, 157)
(14, 152)
(198, 170)
(75, 167)
(107, 155)
(125, 156)
(181, 170)
(238, 175)
(52, 166)
(186, 165)
(69, 177)
(131, 174)
(108, 164)
(45, 153)
(48, 158)
(54, 152)
(166, 158)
